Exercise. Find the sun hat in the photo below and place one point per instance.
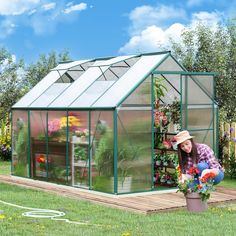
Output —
(182, 136)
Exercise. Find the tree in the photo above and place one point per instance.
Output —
(36, 72)
(212, 50)
(11, 81)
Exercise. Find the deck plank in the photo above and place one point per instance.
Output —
(145, 203)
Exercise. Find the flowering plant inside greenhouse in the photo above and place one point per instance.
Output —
(42, 161)
(82, 132)
(55, 126)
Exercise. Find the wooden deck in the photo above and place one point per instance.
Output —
(146, 203)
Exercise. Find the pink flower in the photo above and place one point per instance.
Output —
(53, 126)
(167, 144)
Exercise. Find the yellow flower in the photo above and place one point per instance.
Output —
(72, 121)
(2, 216)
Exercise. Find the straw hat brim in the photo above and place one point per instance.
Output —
(184, 139)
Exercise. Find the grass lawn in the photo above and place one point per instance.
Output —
(218, 220)
(5, 167)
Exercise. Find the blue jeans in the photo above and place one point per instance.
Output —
(203, 165)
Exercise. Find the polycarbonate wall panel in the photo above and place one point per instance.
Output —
(102, 159)
(78, 127)
(127, 82)
(205, 136)
(169, 65)
(141, 96)
(96, 90)
(199, 117)
(49, 95)
(134, 131)
(172, 84)
(206, 83)
(38, 133)
(77, 88)
(38, 89)
(134, 150)
(197, 93)
(57, 151)
(20, 147)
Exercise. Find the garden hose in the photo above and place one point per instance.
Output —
(46, 213)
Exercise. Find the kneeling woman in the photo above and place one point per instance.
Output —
(198, 155)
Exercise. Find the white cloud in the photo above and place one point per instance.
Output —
(144, 16)
(69, 4)
(16, 7)
(79, 7)
(7, 27)
(32, 12)
(210, 19)
(49, 6)
(43, 16)
(153, 38)
(148, 33)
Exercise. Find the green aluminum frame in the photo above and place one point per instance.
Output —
(213, 104)
(114, 110)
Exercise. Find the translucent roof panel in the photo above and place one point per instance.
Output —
(65, 66)
(103, 83)
(92, 94)
(113, 61)
(78, 87)
(49, 95)
(38, 89)
(76, 71)
(139, 71)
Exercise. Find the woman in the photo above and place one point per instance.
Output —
(198, 155)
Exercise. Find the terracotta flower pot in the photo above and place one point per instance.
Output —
(195, 203)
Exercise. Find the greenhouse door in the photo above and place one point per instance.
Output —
(198, 109)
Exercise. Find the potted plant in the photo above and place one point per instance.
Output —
(126, 155)
(104, 158)
(170, 180)
(163, 178)
(172, 159)
(158, 159)
(165, 160)
(195, 189)
(80, 153)
(175, 114)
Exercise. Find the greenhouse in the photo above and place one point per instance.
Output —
(107, 124)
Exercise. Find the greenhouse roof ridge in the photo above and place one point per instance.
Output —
(95, 83)
(154, 53)
(110, 57)
(63, 62)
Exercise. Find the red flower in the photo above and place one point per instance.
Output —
(41, 159)
(208, 176)
(193, 170)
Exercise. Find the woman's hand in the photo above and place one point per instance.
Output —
(184, 177)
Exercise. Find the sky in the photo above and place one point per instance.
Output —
(100, 28)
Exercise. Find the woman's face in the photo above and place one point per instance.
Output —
(186, 146)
